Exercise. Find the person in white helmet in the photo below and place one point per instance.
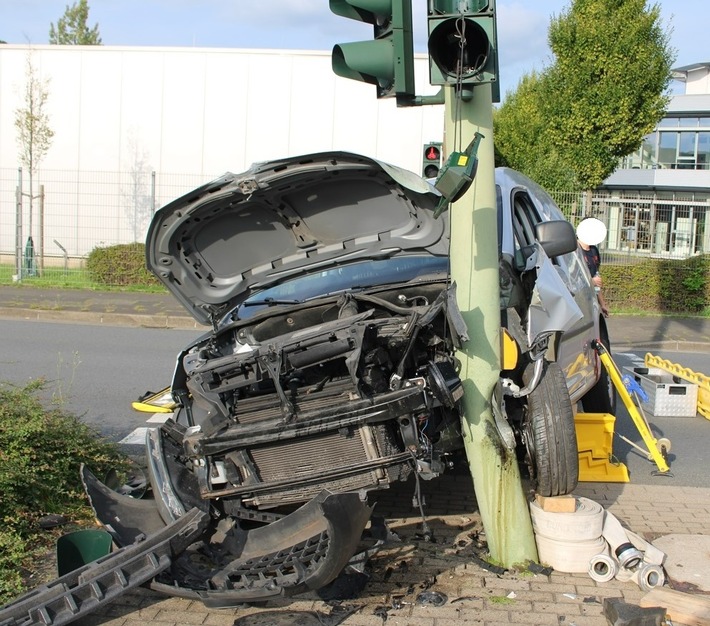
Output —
(590, 233)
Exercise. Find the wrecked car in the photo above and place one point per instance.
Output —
(330, 367)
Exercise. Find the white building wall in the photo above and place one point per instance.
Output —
(190, 112)
(201, 110)
(698, 81)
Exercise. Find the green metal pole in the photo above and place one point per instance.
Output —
(474, 267)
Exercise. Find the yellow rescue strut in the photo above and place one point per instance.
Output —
(655, 450)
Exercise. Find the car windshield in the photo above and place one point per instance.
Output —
(342, 278)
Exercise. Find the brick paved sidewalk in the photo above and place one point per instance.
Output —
(475, 595)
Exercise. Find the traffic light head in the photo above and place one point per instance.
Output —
(459, 47)
(431, 160)
(463, 43)
(387, 61)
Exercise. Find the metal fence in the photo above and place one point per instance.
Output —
(72, 212)
(668, 225)
(69, 213)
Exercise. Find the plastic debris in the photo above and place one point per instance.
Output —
(431, 598)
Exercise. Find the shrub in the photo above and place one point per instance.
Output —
(120, 265)
(41, 451)
(659, 285)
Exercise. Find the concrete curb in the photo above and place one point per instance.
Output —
(183, 322)
(671, 346)
(106, 318)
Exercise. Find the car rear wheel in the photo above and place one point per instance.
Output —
(602, 397)
(549, 435)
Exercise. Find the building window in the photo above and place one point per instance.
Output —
(703, 151)
(668, 149)
(684, 149)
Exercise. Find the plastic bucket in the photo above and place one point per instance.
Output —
(80, 547)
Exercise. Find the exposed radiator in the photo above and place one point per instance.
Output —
(302, 458)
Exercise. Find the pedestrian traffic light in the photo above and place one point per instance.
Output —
(463, 43)
(431, 160)
(388, 60)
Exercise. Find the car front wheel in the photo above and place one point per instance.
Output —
(549, 434)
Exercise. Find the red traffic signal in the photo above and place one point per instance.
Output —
(431, 162)
(432, 153)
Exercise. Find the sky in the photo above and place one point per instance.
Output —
(310, 25)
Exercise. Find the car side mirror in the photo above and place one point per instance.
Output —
(556, 237)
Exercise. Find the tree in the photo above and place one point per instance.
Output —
(137, 196)
(606, 89)
(34, 135)
(521, 138)
(72, 27)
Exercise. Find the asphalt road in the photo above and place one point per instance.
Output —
(689, 457)
(92, 371)
(97, 371)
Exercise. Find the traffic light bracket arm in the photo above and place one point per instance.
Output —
(418, 101)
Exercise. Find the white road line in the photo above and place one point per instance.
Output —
(137, 437)
(635, 359)
(158, 418)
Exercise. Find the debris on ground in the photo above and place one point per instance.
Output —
(431, 598)
(620, 613)
(682, 608)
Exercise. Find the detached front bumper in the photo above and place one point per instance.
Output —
(236, 560)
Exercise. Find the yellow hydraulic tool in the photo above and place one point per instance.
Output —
(657, 450)
(701, 380)
(155, 402)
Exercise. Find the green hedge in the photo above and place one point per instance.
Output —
(41, 451)
(120, 265)
(650, 285)
(659, 285)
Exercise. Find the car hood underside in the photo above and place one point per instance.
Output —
(215, 246)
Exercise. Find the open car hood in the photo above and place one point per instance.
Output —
(241, 233)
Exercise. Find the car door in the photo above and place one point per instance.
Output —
(574, 353)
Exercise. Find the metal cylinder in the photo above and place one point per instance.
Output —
(602, 568)
(651, 576)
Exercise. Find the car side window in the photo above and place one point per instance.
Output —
(525, 218)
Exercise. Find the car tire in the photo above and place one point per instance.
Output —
(602, 397)
(550, 436)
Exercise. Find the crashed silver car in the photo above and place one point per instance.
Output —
(330, 369)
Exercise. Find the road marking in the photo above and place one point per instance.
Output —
(158, 418)
(137, 437)
(635, 359)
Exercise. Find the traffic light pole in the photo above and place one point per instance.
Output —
(474, 267)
